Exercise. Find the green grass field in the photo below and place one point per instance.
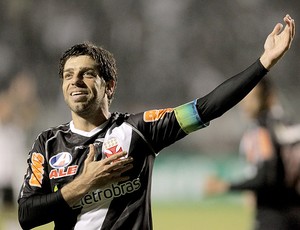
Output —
(206, 216)
(214, 214)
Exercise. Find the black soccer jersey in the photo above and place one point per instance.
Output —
(59, 153)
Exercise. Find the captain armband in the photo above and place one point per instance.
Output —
(188, 117)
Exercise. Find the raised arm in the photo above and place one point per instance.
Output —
(278, 42)
(233, 90)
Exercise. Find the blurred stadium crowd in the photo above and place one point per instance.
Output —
(168, 51)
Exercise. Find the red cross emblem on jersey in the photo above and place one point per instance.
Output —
(112, 147)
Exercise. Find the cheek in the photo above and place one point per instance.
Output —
(99, 88)
(98, 92)
(64, 90)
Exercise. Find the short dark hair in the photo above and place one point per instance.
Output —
(105, 60)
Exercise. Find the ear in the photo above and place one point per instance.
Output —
(110, 88)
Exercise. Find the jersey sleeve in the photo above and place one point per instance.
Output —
(165, 126)
(37, 203)
(162, 127)
(230, 92)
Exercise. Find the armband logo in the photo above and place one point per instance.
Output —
(155, 115)
(37, 167)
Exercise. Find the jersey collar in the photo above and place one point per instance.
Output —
(84, 133)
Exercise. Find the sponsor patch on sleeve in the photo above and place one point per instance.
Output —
(37, 174)
(155, 115)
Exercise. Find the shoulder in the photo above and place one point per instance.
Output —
(119, 118)
(52, 131)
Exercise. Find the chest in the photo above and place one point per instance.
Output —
(67, 152)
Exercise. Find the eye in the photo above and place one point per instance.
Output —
(89, 74)
(67, 76)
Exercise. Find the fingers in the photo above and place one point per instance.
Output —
(117, 164)
(91, 154)
(115, 157)
(114, 169)
(290, 25)
(117, 174)
(277, 29)
(289, 28)
(122, 165)
(107, 171)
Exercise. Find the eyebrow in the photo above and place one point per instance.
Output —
(68, 70)
(81, 69)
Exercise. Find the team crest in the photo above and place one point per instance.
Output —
(112, 147)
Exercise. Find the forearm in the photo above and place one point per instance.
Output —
(40, 209)
(266, 61)
(68, 194)
(230, 92)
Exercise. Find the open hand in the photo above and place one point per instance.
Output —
(101, 173)
(97, 174)
(278, 42)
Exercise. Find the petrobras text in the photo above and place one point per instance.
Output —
(108, 193)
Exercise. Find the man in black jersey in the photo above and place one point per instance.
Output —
(95, 171)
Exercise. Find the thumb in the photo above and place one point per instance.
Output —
(277, 29)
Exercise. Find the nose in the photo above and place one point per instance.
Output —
(77, 79)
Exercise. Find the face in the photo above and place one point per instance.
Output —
(83, 89)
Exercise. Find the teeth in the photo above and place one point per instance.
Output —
(76, 93)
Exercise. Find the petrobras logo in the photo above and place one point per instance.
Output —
(60, 164)
(107, 194)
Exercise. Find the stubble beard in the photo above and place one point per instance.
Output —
(81, 108)
(86, 109)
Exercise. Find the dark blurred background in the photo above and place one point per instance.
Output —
(168, 52)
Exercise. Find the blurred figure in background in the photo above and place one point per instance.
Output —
(277, 205)
(19, 106)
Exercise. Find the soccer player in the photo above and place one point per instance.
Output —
(267, 175)
(95, 171)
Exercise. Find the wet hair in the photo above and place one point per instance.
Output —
(105, 60)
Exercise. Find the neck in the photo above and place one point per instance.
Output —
(90, 123)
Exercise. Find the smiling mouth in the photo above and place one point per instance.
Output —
(79, 96)
(78, 93)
